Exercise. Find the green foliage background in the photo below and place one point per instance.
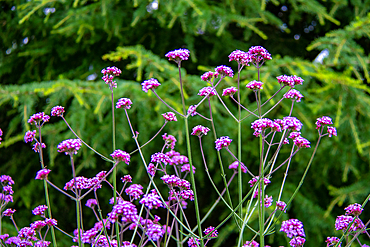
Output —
(46, 57)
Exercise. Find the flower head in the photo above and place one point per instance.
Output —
(57, 111)
(29, 136)
(343, 221)
(126, 178)
(235, 166)
(210, 229)
(209, 75)
(290, 81)
(108, 75)
(193, 242)
(260, 125)
(292, 123)
(258, 54)
(1, 133)
(36, 147)
(223, 141)
(6, 179)
(8, 212)
(134, 191)
(186, 168)
(151, 200)
(240, 57)
(170, 140)
(255, 85)
(119, 155)
(69, 146)
(124, 103)
(154, 232)
(42, 174)
(323, 121)
(254, 180)
(169, 116)
(331, 241)
(230, 91)
(268, 201)
(200, 130)
(192, 110)
(224, 71)
(39, 210)
(332, 131)
(91, 203)
(150, 84)
(293, 94)
(354, 209)
(280, 205)
(297, 242)
(207, 91)
(38, 119)
(251, 244)
(178, 55)
(301, 142)
(292, 228)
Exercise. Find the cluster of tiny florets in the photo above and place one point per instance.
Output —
(208, 76)
(323, 121)
(200, 130)
(39, 210)
(169, 116)
(108, 75)
(1, 134)
(292, 123)
(42, 174)
(290, 81)
(258, 54)
(192, 110)
(301, 142)
(160, 157)
(124, 103)
(223, 141)
(69, 146)
(280, 205)
(150, 84)
(210, 229)
(292, 228)
(343, 221)
(254, 180)
(57, 111)
(82, 183)
(332, 241)
(241, 57)
(119, 155)
(252, 243)
(178, 55)
(207, 91)
(152, 200)
(262, 124)
(255, 85)
(230, 91)
(293, 94)
(235, 166)
(37, 118)
(134, 191)
(224, 71)
(37, 146)
(29, 136)
(170, 140)
(354, 209)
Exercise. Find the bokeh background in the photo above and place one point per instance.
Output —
(52, 52)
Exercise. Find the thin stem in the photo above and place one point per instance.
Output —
(77, 201)
(164, 102)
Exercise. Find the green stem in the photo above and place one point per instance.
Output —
(77, 202)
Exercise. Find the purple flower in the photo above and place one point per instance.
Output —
(209, 75)
(39, 210)
(241, 57)
(224, 71)
(151, 200)
(254, 180)
(187, 194)
(207, 91)
(42, 174)
(125, 209)
(42, 243)
(291, 123)
(4, 237)
(292, 228)
(193, 242)
(119, 155)
(268, 201)
(36, 147)
(354, 209)
(160, 157)
(29, 136)
(230, 91)
(251, 244)
(255, 85)
(297, 242)
(1, 133)
(293, 94)
(13, 240)
(6, 179)
(169, 116)
(280, 205)
(8, 212)
(170, 140)
(128, 244)
(8, 190)
(179, 160)
(235, 166)
(192, 110)
(124, 103)
(301, 142)
(171, 180)
(150, 84)
(200, 130)
(69, 146)
(51, 222)
(331, 241)
(186, 168)
(126, 178)
(154, 232)
(91, 203)
(37, 118)
(134, 191)
(108, 75)
(332, 131)
(27, 233)
(82, 183)
(323, 121)
(223, 141)
(57, 111)
(290, 81)
(178, 55)
(210, 229)
(343, 221)
(151, 169)
(38, 225)
(6, 198)
(260, 125)
(294, 135)
(258, 54)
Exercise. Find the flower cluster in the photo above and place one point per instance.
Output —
(124, 103)
(343, 221)
(57, 111)
(82, 183)
(230, 91)
(254, 180)
(150, 84)
(207, 91)
(280, 205)
(160, 157)
(293, 94)
(40, 210)
(332, 241)
(224, 71)
(1, 134)
(290, 81)
(252, 243)
(7, 192)
(170, 140)
(69, 146)
(152, 200)
(29, 136)
(241, 57)
(178, 55)
(255, 85)
(258, 54)
(208, 76)
(169, 116)
(262, 124)
(294, 229)
(211, 230)
(125, 209)
(354, 209)
(38, 119)
(119, 155)
(42, 174)
(192, 110)
(235, 166)
(223, 141)
(108, 75)
(134, 191)
(200, 130)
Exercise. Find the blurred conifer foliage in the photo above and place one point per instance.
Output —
(52, 52)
